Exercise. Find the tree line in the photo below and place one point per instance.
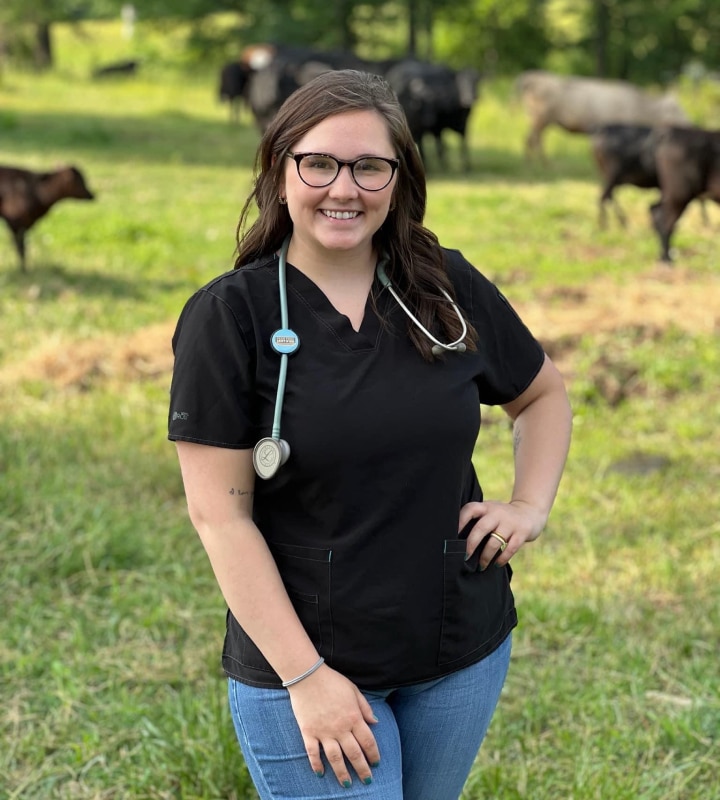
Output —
(645, 41)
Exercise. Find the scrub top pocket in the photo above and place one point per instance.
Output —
(469, 621)
(306, 573)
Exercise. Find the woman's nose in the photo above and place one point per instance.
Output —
(344, 184)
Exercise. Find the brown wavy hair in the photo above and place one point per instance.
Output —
(415, 260)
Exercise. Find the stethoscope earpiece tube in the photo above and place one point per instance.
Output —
(438, 347)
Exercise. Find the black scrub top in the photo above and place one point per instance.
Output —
(363, 518)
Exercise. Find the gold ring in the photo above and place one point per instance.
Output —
(503, 542)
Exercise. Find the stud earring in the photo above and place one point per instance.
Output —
(282, 200)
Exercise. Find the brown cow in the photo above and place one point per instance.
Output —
(625, 154)
(580, 105)
(27, 196)
(688, 166)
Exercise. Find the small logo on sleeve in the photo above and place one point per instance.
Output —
(180, 415)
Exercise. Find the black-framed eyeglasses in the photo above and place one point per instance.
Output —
(318, 170)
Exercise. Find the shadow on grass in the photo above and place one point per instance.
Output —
(172, 137)
(488, 164)
(57, 279)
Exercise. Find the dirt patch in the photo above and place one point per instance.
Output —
(644, 306)
(141, 355)
(663, 298)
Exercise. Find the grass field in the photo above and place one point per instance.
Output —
(110, 683)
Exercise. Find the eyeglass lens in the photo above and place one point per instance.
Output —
(321, 170)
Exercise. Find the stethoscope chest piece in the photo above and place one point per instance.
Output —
(269, 455)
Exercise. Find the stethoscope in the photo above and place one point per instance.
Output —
(271, 452)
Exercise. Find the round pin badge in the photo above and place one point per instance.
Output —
(285, 341)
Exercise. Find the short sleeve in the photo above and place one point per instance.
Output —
(510, 356)
(211, 393)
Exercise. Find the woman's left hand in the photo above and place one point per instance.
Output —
(515, 523)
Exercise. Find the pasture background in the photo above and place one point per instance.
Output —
(110, 684)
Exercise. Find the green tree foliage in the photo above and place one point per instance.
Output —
(640, 40)
(26, 25)
(497, 36)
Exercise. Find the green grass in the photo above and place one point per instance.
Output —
(110, 685)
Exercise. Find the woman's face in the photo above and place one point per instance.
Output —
(341, 217)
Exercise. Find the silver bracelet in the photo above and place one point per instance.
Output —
(305, 674)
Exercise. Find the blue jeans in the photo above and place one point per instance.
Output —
(428, 734)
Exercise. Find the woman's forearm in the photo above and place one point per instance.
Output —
(254, 592)
(541, 441)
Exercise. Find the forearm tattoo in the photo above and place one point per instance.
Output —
(241, 492)
(517, 438)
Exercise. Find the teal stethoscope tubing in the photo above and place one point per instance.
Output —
(282, 377)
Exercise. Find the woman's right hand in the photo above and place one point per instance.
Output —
(334, 715)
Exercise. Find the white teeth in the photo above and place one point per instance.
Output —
(341, 214)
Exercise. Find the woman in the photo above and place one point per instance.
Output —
(368, 635)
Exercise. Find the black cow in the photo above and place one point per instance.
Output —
(435, 98)
(416, 89)
(688, 166)
(27, 196)
(453, 113)
(234, 78)
(283, 69)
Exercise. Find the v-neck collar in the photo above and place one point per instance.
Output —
(312, 295)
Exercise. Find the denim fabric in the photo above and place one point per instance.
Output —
(428, 734)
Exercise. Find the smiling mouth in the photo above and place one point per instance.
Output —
(340, 214)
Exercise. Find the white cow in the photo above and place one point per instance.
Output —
(580, 105)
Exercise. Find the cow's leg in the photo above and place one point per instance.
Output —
(602, 213)
(441, 150)
(19, 239)
(704, 212)
(665, 214)
(656, 214)
(608, 196)
(619, 213)
(465, 152)
(533, 143)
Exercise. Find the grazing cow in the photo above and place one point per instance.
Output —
(234, 78)
(282, 69)
(453, 110)
(579, 105)
(27, 196)
(625, 154)
(688, 166)
(435, 98)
